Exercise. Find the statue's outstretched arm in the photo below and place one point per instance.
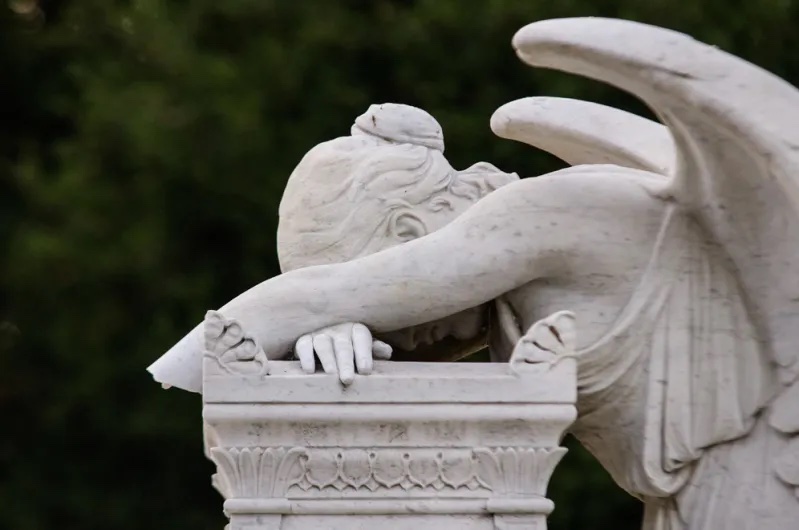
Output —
(496, 246)
(514, 235)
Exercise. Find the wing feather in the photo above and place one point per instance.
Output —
(736, 135)
(579, 132)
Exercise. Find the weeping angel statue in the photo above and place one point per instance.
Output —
(675, 245)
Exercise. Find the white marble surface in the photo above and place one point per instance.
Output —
(409, 444)
(675, 245)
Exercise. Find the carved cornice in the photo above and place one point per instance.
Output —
(271, 472)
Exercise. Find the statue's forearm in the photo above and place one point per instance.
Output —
(283, 308)
(386, 291)
(490, 250)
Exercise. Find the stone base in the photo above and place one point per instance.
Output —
(388, 522)
(466, 446)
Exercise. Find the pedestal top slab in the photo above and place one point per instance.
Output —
(393, 382)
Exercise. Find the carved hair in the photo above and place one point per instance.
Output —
(342, 200)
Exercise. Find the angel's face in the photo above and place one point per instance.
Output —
(420, 220)
(425, 219)
(461, 327)
(399, 226)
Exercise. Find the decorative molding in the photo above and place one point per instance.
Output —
(271, 472)
(515, 522)
(257, 472)
(517, 470)
(374, 469)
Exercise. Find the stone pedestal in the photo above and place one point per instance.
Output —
(465, 446)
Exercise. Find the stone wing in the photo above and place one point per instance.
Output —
(580, 132)
(732, 163)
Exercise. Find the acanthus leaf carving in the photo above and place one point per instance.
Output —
(289, 470)
(227, 479)
(517, 470)
(271, 459)
(258, 472)
(271, 472)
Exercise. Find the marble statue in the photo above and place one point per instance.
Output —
(674, 247)
(413, 445)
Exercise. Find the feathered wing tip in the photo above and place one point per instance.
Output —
(579, 132)
(679, 78)
(736, 163)
(734, 128)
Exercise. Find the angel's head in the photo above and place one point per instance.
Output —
(386, 184)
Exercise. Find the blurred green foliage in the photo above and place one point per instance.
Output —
(144, 145)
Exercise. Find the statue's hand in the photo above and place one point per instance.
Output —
(546, 341)
(236, 351)
(341, 348)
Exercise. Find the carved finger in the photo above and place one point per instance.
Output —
(214, 326)
(544, 336)
(232, 335)
(304, 349)
(344, 358)
(323, 345)
(381, 350)
(261, 357)
(362, 344)
(528, 352)
(565, 323)
(245, 350)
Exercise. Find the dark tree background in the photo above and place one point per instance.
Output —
(144, 145)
